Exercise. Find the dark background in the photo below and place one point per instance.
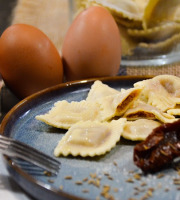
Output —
(7, 99)
(6, 7)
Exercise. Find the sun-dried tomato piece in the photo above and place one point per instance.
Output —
(159, 149)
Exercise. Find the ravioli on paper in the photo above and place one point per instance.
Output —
(64, 114)
(90, 138)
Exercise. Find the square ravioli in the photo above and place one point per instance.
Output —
(90, 138)
(96, 124)
(64, 114)
(143, 110)
(139, 129)
(100, 90)
(162, 91)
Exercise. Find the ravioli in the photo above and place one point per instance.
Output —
(170, 83)
(116, 105)
(158, 11)
(100, 105)
(125, 9)
(177, 15)
(154, 24)
(111, 102)
(100, 90)
(91, 128)
(128, 43)
(164, 46)
(90, 138)
(175, 111)
(127, 23)
(155, 34)
(91, 124)
(143, 110)
(65, 114)
(139, 129)
(159, 91)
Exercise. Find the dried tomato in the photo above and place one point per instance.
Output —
(159, 149)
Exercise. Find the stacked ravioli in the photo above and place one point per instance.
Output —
(95, 125)
(146, 26)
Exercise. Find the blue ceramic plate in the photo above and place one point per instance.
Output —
(112, 176)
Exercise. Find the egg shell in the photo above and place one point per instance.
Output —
(92, 45)
(29, 61)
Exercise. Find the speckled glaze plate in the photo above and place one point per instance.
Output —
(112, 176)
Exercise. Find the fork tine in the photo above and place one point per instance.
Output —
(34, 153)
(3, 146)
(39, 164)
(15, 152)
(35, 158)
(28, 154)
(17, 149)
(29, 149)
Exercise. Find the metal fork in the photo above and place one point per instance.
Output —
(17, 149)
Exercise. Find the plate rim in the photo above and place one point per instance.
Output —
(9, 162)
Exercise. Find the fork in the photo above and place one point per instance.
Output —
(17, 149)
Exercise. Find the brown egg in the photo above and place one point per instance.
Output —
(29, 61)
(92, 46)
